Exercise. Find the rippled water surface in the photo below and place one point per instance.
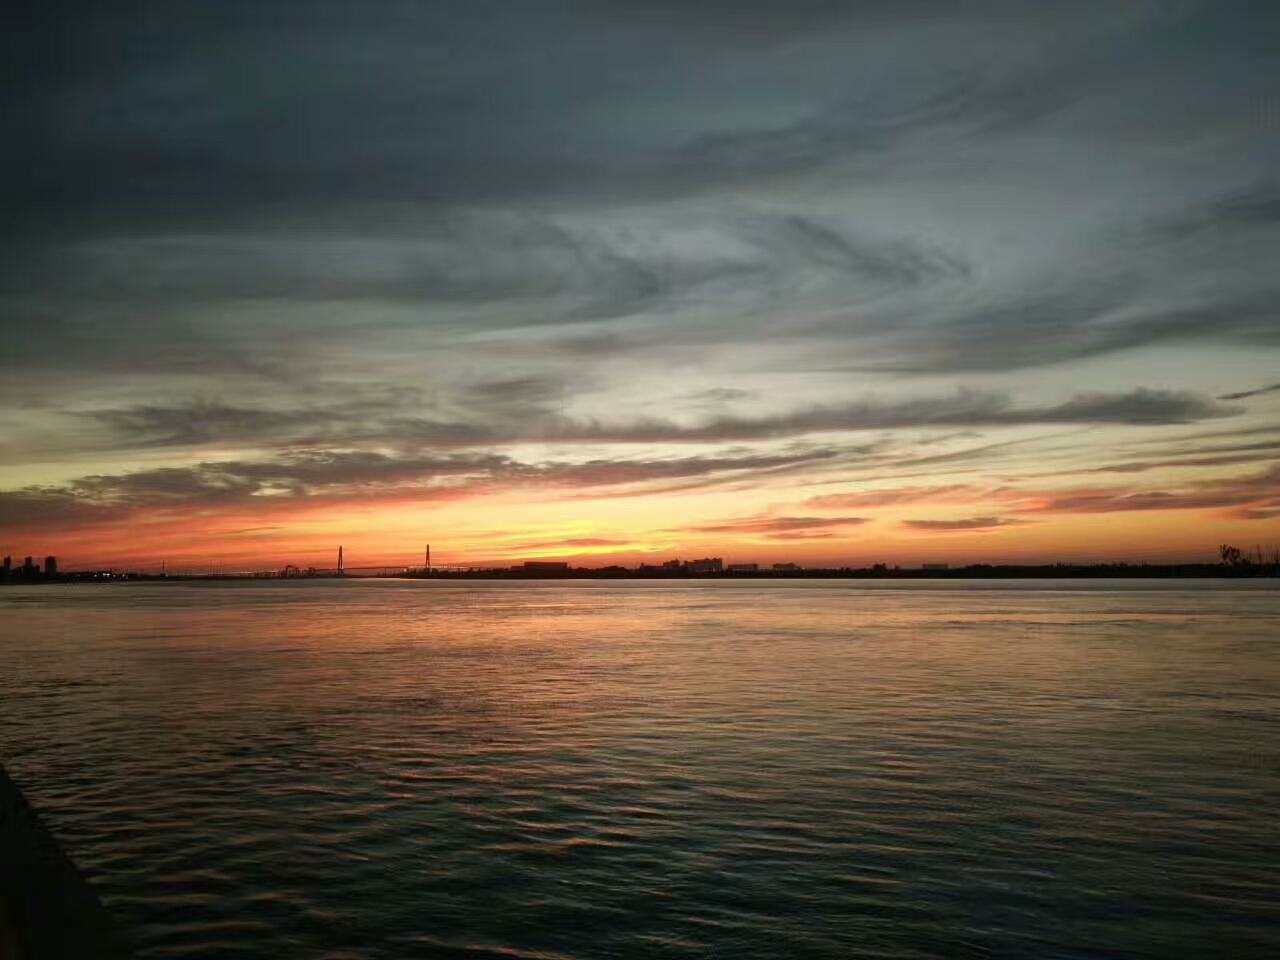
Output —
(350, 769)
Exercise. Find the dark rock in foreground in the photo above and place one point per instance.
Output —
(47, 909)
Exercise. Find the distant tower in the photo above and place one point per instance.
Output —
(50, 566)
(339, 561)
(426, 560)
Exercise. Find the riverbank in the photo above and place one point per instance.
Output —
(48, 911)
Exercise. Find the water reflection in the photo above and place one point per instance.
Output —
(640, 769)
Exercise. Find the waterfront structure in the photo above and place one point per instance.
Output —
(706, 565)
(544, 566)
(742, 567)
(50, 566)
(47, 909)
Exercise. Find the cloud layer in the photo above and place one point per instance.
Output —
(817, 255)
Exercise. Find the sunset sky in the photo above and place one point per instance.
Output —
(815, 281)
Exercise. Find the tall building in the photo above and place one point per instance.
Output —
(29, 569)
(339, 561)
(50, 566)
(8, 565)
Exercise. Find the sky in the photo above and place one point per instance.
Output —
(622, 281)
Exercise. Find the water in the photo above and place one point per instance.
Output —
(642, 769)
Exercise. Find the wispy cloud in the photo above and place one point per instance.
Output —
(568, 544)
(965, 408)
(315, 476)
(1246, 394)
(1257, 491)
(969, 524)
(510, 411)
(780, 528)
(896, 496)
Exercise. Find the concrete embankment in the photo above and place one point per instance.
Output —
(47, 909)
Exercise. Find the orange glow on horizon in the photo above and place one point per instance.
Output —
(507, 529)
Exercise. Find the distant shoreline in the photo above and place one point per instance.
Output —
(1102, 571)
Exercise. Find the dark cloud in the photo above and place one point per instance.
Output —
(1205, 457)
(317, 476)
(1245, 394)
(723, 394)
(894, 264)
(1090, 319)
(204, 422)
(510, 411)
(530, 390)
(40, 509)
(965, 408)
(410, 236)
(1218, 219)
(522, 157)
(1251, 496)
(254, 103)
(606, 473)
(514, 410)
(1255, 513)
(1151, 407)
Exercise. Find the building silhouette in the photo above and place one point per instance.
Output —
(544, 567)
(50, 566)
(705, 565)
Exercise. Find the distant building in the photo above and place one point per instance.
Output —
(8, 565)
(786, 567)
(50, 566)
(29, 569)
(742, 567)
(544, 566)
(706, 565)
(672, 565)
(935, 566)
